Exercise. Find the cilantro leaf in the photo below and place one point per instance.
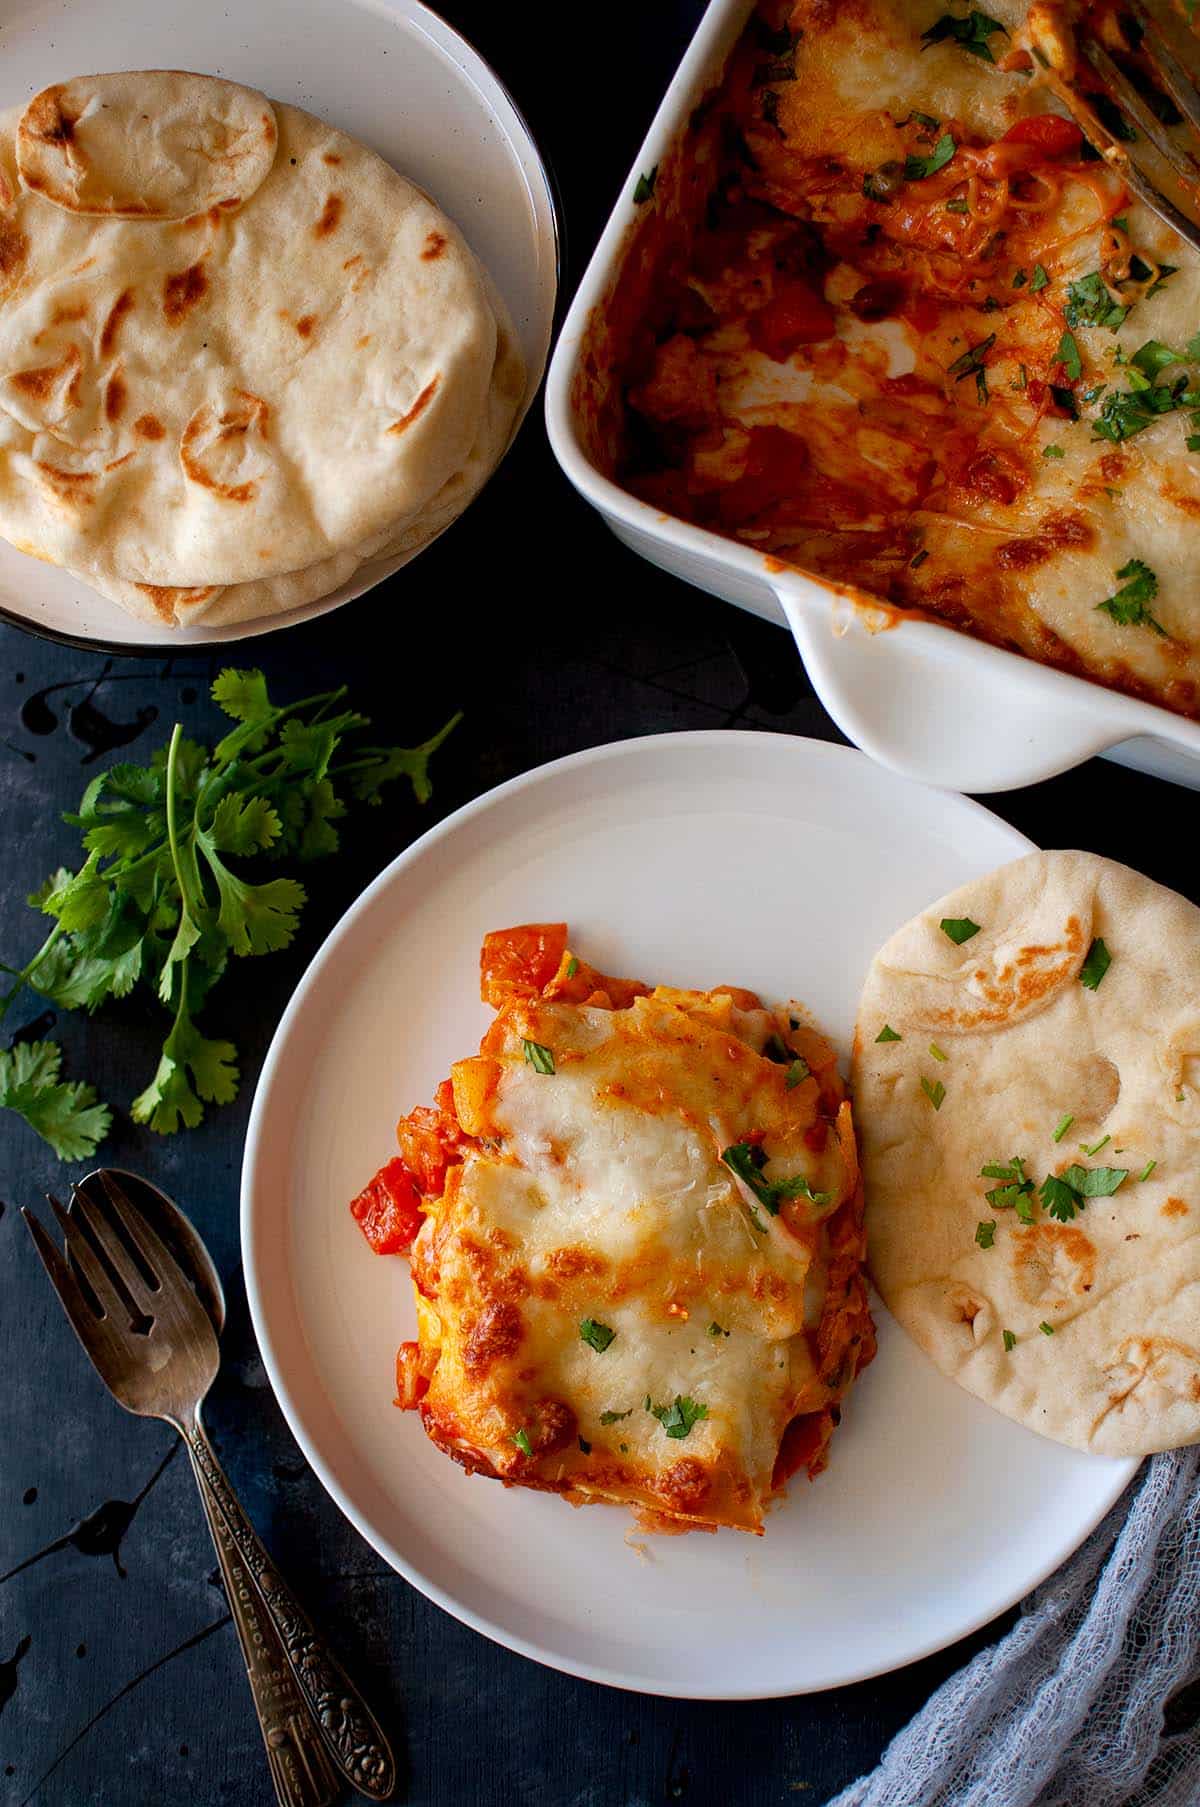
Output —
(1058, 1197)
(615, 1417)
(970, 34)
(1068, 356)
(1039, 279)
(599, 1336)
(65, 1114)
(541, 1059)
(521, 1439)
(747, 1160)
(934, 1090)
(888, 1034)
(1089, 302)
(644, 188)
(243, 695)
(380, 765)
(1128, 607)
(677, 1419)
(1095, 965)
(1095, 1182)
(916, 169)
(1010, 1341)
(958, 928)
(172, 1097)
(985, 1233)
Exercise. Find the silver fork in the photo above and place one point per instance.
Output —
(1151, 39)
(153, 1344)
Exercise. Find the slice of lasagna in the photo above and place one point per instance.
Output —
(635, 1223)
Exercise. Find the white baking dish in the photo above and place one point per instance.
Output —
(924, 699)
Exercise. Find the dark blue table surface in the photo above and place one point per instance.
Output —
(120, 1679)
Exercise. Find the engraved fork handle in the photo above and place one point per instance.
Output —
(296, 1755)
(353, 1738)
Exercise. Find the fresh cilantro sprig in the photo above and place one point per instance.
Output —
(64, 1114)
(164, 899)
(747, 1160)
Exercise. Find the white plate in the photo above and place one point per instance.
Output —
(392, 74)
(935, 1513)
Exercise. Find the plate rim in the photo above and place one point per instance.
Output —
(422, 15)
(293, 1410)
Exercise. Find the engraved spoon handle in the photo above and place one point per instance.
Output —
(353, 1737)
(296, 1754)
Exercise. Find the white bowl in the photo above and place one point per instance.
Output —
(390, 72)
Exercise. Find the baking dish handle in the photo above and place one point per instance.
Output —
(910, 696)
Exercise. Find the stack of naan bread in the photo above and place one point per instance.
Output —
(240, 355)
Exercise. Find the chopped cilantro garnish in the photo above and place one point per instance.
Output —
(540, 1059)
(599, 1336)
(1095, 965)
(572, 967)
(917, 559)
(1046, 1329)
(1039, 278)
(615, 1417)
(1147, 1170)
(1064, 1124)
(1121, 223)
(958, 204)
(1004, 1170)
(1068, 356)
(970, 34)
(1128, 608)
(522, 1442)
(958, 928)
(776, 1049)
(747, 1160)
(677, 1419)
(1089, 303)
(1010, 1341)
(916, 169)
(1058, 1198)
(585, 1447)
(716, 1329)
(797, 1073)
(1020, 278)
(934, 1090)
(1096, 1146)
(985, 1232)
(1053, 451)
(888, 1034)
(1095, 1182)
(972, 362)
(938, 1053)
(645, 187)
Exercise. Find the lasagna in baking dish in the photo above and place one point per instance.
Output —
(888, 317)
(635, 1225)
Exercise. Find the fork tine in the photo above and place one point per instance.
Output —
(1123, 90)
(95, 1334)
(1167, 66)
(145, 1238)
(116, 1255)
(88, 1262)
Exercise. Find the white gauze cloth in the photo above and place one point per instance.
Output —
(1068, 1709)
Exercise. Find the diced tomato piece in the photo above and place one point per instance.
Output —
(430, 1141)
(388, 1211)
(1048, 133)
(518, 962)
(778, 464)
(795, 316)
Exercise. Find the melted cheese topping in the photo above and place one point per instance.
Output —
(597, 1191)
(875, 385)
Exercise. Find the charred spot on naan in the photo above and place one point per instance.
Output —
(148, 426)
(182, 291)
(331, 215)
(47, 119)
(167, 601)
(43, 382)
(1025, 983)
(116, 394)
(418, 408)
(111, 329)
(1054, 1265)
(207, 432)
(1147, 1373)
(75, 489)
(433, 247)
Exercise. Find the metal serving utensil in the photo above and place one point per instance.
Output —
(1147, 60)
(152, 1339)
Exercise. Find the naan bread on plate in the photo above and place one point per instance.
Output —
(235, 346)
(1027, 1089)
